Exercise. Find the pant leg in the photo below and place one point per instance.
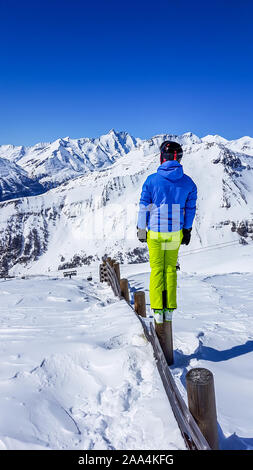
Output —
(156, 258)
(172, 246)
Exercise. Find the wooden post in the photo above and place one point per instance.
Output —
(106, 279)
(140, 303)
(117, 270)
(104, 273)
(164, 333)
(111, 261)
(124, 289)
(201, 401)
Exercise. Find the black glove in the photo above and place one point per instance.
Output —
(142, 234)
(187, 236)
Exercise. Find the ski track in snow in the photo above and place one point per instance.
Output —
(77, 371)
(213, 328)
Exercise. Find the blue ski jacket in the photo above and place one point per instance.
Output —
(168, 199)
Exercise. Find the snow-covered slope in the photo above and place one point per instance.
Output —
(77, 371)
(88, 215)
(213, 328)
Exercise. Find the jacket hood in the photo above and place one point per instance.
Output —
(171, 170)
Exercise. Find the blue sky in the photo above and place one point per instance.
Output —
(80, 68)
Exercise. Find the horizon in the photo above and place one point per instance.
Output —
(119, 132)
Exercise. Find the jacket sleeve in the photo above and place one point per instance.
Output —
(144, 206)
(190, 207)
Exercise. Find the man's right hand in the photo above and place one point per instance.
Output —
(142, 234)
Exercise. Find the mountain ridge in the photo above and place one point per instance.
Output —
(53, 229)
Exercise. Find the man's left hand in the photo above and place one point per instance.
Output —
(186, 236)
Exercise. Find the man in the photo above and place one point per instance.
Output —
(167, 210)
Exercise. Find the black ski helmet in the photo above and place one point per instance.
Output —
(170, 151)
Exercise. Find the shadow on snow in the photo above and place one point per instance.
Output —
(207, 353)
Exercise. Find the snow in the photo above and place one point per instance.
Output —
(77, 371)
(214, 138)
(213, 328)
(64, 159)
(15, 182)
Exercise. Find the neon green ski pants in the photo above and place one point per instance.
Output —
(163, 252)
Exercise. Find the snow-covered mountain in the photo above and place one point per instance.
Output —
(53, 163)
(92, 205)
(15, 182)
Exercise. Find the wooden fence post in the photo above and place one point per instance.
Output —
(140, 303)
(117, 270)
(124, 289)
(106, 278)
(102, 273)
(164, 333)
(111, 261)
(201, 402)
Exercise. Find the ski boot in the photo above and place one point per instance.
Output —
(158, 316)
(168, 314)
